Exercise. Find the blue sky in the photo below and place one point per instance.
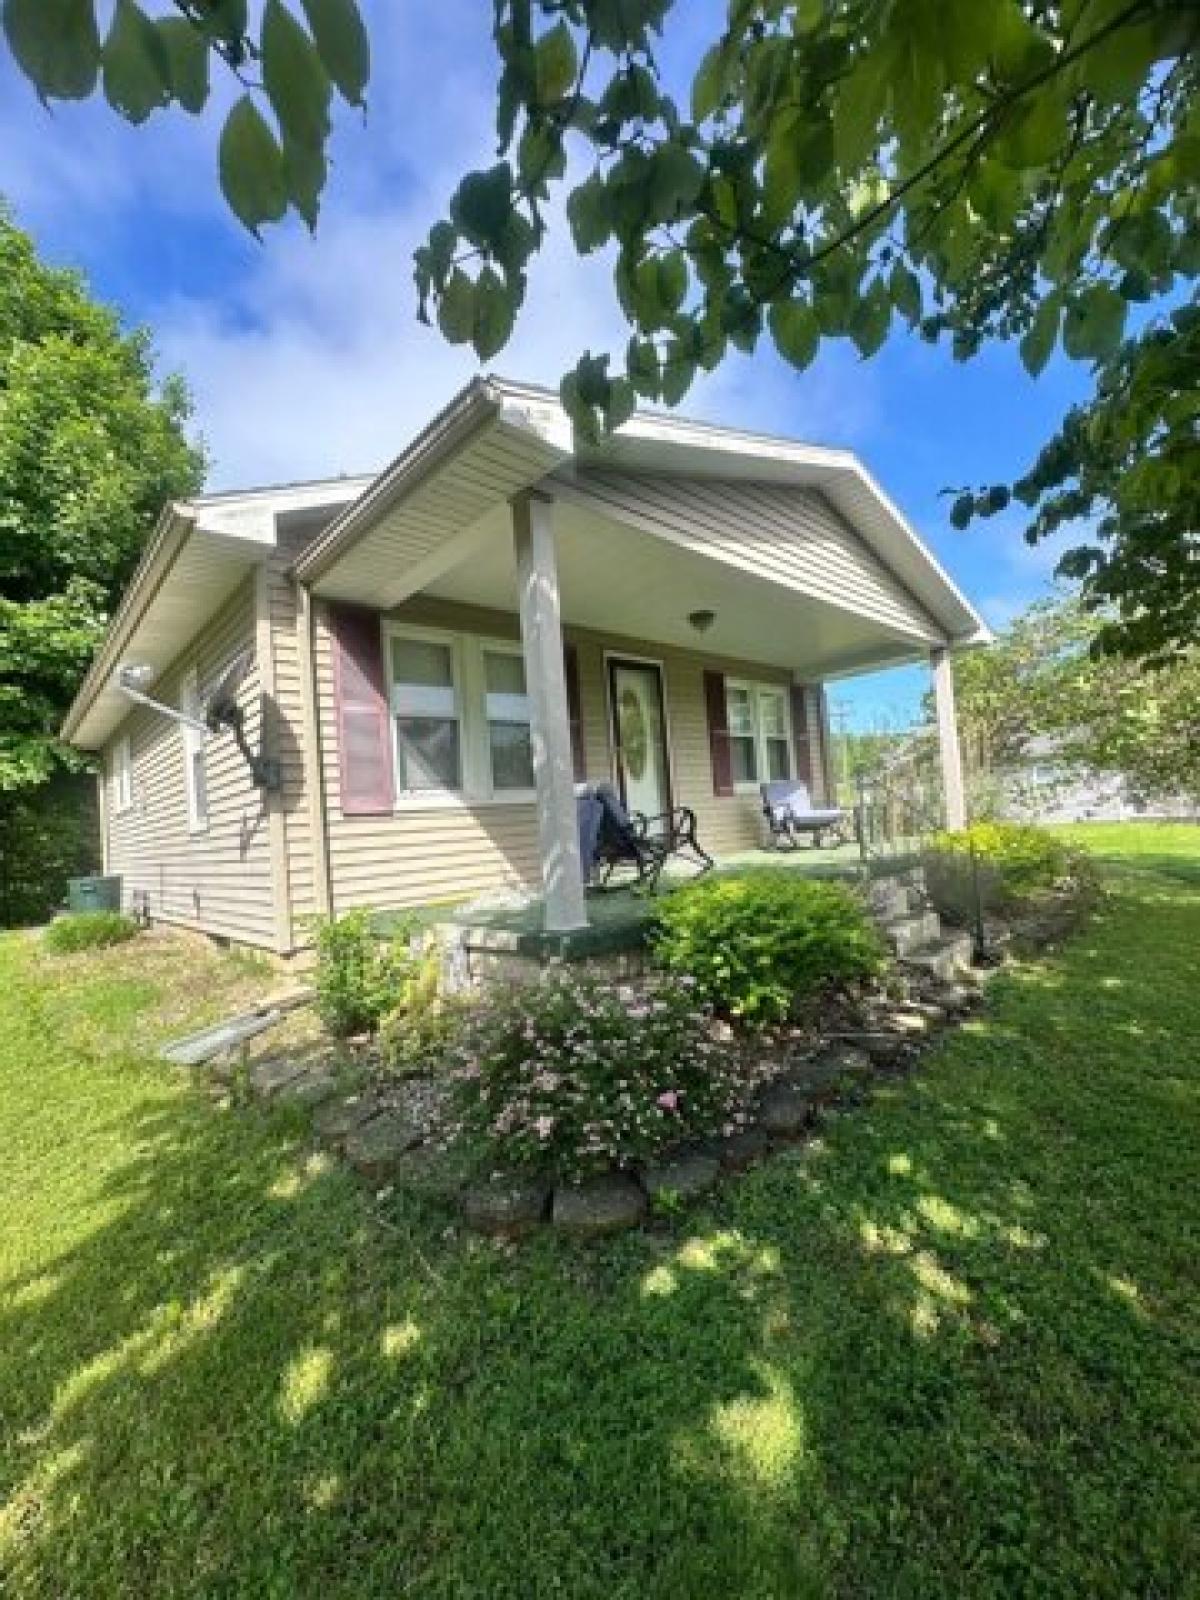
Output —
(305, 357)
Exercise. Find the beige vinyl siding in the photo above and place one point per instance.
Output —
(793, 537)
(218, 880)
(448, 852)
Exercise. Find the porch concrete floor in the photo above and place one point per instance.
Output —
(618, 919)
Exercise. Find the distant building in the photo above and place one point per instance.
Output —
(1046, 786)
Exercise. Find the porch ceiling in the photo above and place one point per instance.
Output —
(617, 579)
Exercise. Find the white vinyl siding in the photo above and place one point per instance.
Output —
(792, 537)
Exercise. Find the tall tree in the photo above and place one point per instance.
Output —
(1042, 678)
(1003, 169)
(90, 448)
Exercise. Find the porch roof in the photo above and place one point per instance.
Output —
(436, 521)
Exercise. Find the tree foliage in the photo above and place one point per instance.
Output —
(90, 448)
(1044, 678)
(288, 61)
(1023, 170)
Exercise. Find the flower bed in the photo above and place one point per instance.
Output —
(573, 1077)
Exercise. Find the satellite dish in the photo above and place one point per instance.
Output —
(221, 709)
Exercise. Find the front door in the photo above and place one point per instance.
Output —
(639, 717)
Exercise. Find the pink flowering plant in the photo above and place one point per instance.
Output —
(573, 1076)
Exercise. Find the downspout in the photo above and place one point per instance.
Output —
(314, 759)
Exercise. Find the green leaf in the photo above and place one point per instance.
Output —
(672, 280)
(905, 289)
(676, 179)
(296, 82)
(621, 405)
(482, 204)
(795, 331)
(711, 83)
(588, 214)
(187, 62)
(456, 308)
(251, 166)
(556, 65)
(495, 313)
(1094, 324)
(1038, 344)
(677, 374)
(137, 72)
(641, 363)
(343, 45)
(56, 44)
(858, 110)
(1037, 132)
(305, 172)
(871, 318)
(962, 511)
(541, 154)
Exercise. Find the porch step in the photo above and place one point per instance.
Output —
(944, 958)
(908, 933)
(893, 899)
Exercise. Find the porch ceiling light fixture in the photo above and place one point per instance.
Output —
(702, 621)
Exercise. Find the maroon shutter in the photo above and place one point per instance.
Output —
(363, 717)
(575, 712)
(800, 738)
(718, 732)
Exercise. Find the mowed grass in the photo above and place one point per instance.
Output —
(950, 1349)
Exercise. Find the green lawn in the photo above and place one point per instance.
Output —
(950, 1350)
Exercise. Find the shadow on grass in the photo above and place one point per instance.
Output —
(941, 1350)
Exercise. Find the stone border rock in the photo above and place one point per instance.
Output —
(389, 1133)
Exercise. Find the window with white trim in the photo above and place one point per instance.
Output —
(506, 705)
(460, 717)
(195, 773)
(122, 777)
(426, 714)
(760, 734)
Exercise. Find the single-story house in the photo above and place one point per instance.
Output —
(437, 655)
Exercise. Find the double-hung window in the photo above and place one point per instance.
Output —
(460, 717)
(122, 777)
(760, 746)
(427, 714)
(195, 774)
(506, 706)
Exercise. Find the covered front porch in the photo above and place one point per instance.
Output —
(706, 582)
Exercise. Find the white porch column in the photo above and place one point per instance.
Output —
(947, 724)
(550, 720)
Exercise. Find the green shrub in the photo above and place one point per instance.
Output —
(88, 930)
(360, 976)
(574, 1076)
(418, 1031)
(759, 942)
(1024, 857)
